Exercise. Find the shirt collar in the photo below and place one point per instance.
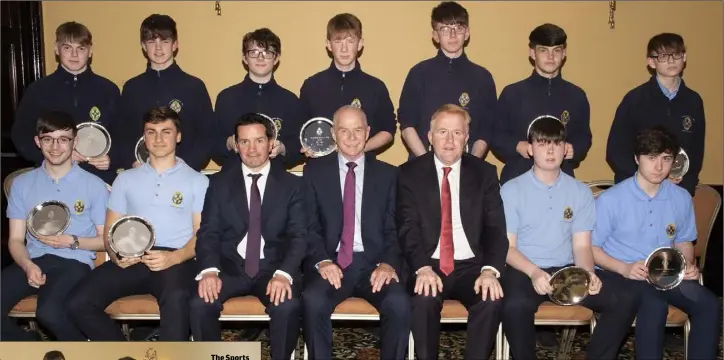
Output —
(460, 60)
(357, 69)
(669, 93)
(439, 165)
(148, 168)
(541, 185)
(69, 176)
(248, 83)
(639, 193)
(65, 75)
(264, 170)
(172, 70)
(342, 161)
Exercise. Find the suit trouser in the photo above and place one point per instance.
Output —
(616, 305)
(284, 323)
(483, 315)
(320, 298)
(698, 302)
(61, 276)
(108, 282)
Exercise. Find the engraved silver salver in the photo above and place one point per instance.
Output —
(681, 165)
(49, 218)
(666, 267)
(93, 140)
(316, 136)
(275, 130)
(131, 236)
(527, 134)
(141, 151)
(570, 285)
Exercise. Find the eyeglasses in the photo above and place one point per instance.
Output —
(266, 54)
(664, 57)
(447, 29)
(49, 140)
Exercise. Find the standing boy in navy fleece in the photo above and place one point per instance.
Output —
(73, 89)
(448, 78)
(663, 100)
(544, 92)
(259, 93)
(165, 84)
(344, 83)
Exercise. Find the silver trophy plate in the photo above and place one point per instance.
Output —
(131, 236)
(141, 151)
(50, 218)
(93, 140)
(527, 134)
(570, 285)
(275, 134)
(681, 165)
(666, 267)
(316, 136)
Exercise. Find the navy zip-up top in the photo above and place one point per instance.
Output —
(270, 99)
(326, 91)
(647, 106)
(87, 97)
(525, 100)
(169, 87)
(441, 80)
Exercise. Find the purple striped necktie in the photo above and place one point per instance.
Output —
(253, 237)
(344, 257)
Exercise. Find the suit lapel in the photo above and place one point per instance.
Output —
(469, 183)
(272, 191)
(239, 198)
(433, 196)
(368, 191)
(333, 185)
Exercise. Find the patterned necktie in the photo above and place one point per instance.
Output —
(253, 239)
(447, 249)
(344, 257)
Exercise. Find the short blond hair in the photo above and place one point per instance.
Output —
(450, 109)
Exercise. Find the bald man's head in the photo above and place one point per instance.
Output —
(350, 131)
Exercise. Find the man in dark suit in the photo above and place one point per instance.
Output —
(250, 248)
(452, 232)
(344, 259)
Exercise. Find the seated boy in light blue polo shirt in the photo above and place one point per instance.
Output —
(50, 266)
(549, 217)
(638, 215)
(170, 196)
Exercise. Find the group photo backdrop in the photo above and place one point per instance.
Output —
(605, 62)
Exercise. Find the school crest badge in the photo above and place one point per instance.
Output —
(567, 213)
(565, 117)
(94, 113)
(687, 122)
(177, 198)
(176, 105)
(277, 124)
(78, 207)
(671, 231)
(356, 103)
(464, 99)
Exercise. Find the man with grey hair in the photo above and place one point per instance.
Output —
(343, 259)
(452, 233)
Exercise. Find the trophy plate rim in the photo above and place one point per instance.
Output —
(126, 219)
(138, 144)
(686, 163)
(305, 125)
(274, 126)
(564, 270)
(100, 128)
(680, 275)
(39, 207)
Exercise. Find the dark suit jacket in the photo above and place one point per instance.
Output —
(325, 212)
(481, 209)
(224, 222)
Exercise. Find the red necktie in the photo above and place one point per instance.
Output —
(447, 249)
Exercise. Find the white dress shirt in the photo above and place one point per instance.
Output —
(261, 184)
(462, 249)
(359, 172)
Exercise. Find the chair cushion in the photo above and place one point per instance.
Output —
(548, 311)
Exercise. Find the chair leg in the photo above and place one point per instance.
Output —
(505, 351)
(499, 343)
(33, 325)
(564, 351)
(687, 329)
(126, 331)
(305, 355)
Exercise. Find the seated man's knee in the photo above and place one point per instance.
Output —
(289, 307)
(426, 302)
(516, 306)
(199, 307)
(316, 303)
(51, 314)
(396, 304)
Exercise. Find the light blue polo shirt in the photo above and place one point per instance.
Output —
(545, 217)
(85, 195)
(167, 200)
(630, 224)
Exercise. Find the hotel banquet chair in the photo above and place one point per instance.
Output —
(707, 203)
(9, 179)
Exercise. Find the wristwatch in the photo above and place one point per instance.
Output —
(75, 243)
